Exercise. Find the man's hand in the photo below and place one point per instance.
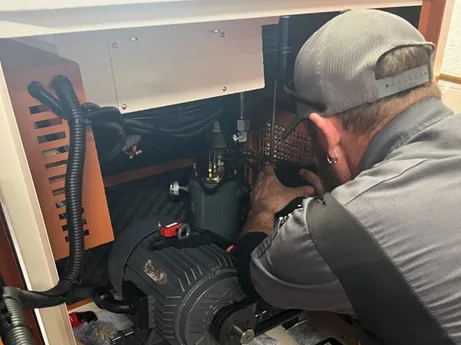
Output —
(315, 181)
(271, 196)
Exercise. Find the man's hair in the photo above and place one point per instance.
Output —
(369, 118)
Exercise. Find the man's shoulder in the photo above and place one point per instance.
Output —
(376, 179)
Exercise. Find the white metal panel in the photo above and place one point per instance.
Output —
(156, 66)
(34, 5)
(45, 22)
(142, 68)
(92, 53)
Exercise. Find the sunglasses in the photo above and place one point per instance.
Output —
(317, 107)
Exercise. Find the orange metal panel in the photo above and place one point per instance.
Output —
(56, 158)
(44, 116)
(146, 172)
(23, 64)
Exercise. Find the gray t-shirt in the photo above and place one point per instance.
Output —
(407, 198)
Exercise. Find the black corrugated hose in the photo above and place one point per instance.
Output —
(37, 91)
(73, 190)
(66, 106)
(13, 327)
(13, 324)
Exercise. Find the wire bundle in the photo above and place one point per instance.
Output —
(162, 129)
(182, 121)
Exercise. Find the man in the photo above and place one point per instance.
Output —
(382, 239)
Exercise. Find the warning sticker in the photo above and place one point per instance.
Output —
(154, 272)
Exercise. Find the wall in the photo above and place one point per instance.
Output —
(452, 57)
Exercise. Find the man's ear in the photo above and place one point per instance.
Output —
(328, 132)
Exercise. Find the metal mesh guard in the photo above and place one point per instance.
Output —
(295, 148)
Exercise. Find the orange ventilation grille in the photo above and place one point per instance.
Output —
(295, 148)
(46, 142)
(52, 139)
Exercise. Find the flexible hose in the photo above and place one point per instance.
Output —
(73, 191)
(104, 299)
(37, 91)
(13, 324)
(73, 184)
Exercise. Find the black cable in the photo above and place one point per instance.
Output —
(111, 120)
(140, 131)
(73, 191)
(165, 119)
(120, 133)
(195, 125)
(14, 329)
(166, 144)
(104, 299)
(37, 91)
(73, 183)
(193, 129)
(140, 125)
(167, 112)
(202, 128)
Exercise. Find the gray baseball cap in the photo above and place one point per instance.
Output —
(335, 69)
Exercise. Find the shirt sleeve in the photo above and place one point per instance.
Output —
(287, 271)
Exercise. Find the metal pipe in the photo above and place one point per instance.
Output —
(242, 106)
(274, 111)
(243, 337)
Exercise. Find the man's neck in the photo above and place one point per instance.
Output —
(402, 128)
(356, 144)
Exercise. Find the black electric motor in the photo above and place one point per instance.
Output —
(176, 286)
(182, 291)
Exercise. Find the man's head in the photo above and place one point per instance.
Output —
(359, 70)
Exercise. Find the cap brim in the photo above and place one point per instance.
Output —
(291, 127)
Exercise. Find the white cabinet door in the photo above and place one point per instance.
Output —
(77, 15)
(34, 5)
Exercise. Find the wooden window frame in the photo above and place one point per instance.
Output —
(434, 24)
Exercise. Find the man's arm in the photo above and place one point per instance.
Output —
(269, 196)
(282, 266)
(259, 221)
(287, 271)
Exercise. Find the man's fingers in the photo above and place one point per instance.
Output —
(310, 177)
(313, 179)
(303, 192)
(269, 169)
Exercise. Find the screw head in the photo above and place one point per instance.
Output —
(124, 106)
(224, 88)
(115, 45)
(222, 34)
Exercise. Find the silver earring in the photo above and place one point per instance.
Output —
(332, 161)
